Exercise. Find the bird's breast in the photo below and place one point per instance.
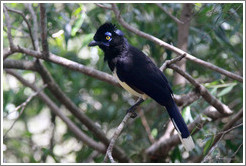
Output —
(127, 87)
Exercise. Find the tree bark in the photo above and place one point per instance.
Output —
(183, 33)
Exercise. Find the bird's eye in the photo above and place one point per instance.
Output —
(107, 37)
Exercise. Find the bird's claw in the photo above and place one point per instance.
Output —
(133, 113)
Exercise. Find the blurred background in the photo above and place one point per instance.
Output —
(38, 135)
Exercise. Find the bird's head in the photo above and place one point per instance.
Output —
(107, 36)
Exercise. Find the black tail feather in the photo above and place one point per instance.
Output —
(177, 119)
(180, 126)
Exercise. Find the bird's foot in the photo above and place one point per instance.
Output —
(133, 113)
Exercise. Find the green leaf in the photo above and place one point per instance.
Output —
(208, 145)
(77, 11)
(154, 132)
(186, 114)
(176, 155)
(226, 90)
(78, 23)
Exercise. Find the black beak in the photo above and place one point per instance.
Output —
(93, 43)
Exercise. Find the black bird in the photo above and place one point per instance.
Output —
(139, 75)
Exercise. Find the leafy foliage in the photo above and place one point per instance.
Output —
(216, 36)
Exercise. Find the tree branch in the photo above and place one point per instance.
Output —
(43, 22)
(162, 147)
(19, 64)
(187, 99)
(226, 129)
(174, 60)
(22, 106)
(57, 92)
(204, 92)
(78, 133)
(115, 136)
(173, 48)
(72, 65)
(35, 26)
(7, 20)
(169, 14)
(7, 53)
(103, 6)
(64, 99)
(130, 113)
(146, 125)
(26, 21)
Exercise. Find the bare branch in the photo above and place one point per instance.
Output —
(187, 99)
(168, 131)
(57, 92)
(169, 14)
(103, 6)
(173, 48)
(7, 53)
(78, 133)
(28, 25)
(130, 114)
(226, 129)
(204, 92)
(161, 147)
(92, 156)
(64, 99)
(19, 64)
(35, 26)
(174, 60)
(115, 136)
(146, 125)
(23, 106)
(7, 20)
(43, 22)
(72, 65)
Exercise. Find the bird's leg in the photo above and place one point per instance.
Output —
(133, 107)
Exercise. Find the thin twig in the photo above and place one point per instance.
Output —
(174, 60)
(130, 114)
(115, 136)
(26, 21)
(168, 131)
(173, 48)
(227, 128)
(103, 6)
(146, 126)
(92, 156)
(169, 14)
(23, 106)
(35, 26)
(7, 20)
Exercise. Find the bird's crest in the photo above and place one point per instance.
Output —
(108, 27)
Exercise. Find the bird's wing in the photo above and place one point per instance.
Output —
(139, 72)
